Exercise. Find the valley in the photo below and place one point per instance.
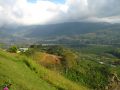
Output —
(86, 60)
(59, 44)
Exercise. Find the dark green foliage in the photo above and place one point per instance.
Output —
(13, 49)
(90, 74)
(7, 83)
(29, 52)
(57, 50)
(115, 52)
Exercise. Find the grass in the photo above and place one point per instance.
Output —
(24, 74)
(21, 77)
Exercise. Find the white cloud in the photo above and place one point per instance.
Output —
(33, 13)
(1, 8)
(24, 12)
(46, 11)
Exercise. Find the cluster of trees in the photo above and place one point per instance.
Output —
(13, 49)
(115, 52)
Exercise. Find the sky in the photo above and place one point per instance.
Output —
(55, 1)
(30, 12)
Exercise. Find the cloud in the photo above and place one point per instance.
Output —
(47, 11)
(99, 10)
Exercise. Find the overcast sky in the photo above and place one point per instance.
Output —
(55, 11)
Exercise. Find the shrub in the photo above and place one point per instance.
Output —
(13, 49)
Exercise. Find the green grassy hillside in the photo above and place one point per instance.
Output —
(25, 74)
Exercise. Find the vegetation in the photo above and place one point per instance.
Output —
(13, 49)
(25, 74)
(87, 60)
(83, 64)
(115, 52)
(68, 56)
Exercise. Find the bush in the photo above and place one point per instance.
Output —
(13, 49)
(115, 52)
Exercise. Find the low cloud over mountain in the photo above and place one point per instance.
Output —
(48, 11)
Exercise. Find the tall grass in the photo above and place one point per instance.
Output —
(52, 77)
(26, 74)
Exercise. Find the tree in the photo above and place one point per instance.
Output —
(12, 49)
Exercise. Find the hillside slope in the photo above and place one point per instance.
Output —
(25, 74)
